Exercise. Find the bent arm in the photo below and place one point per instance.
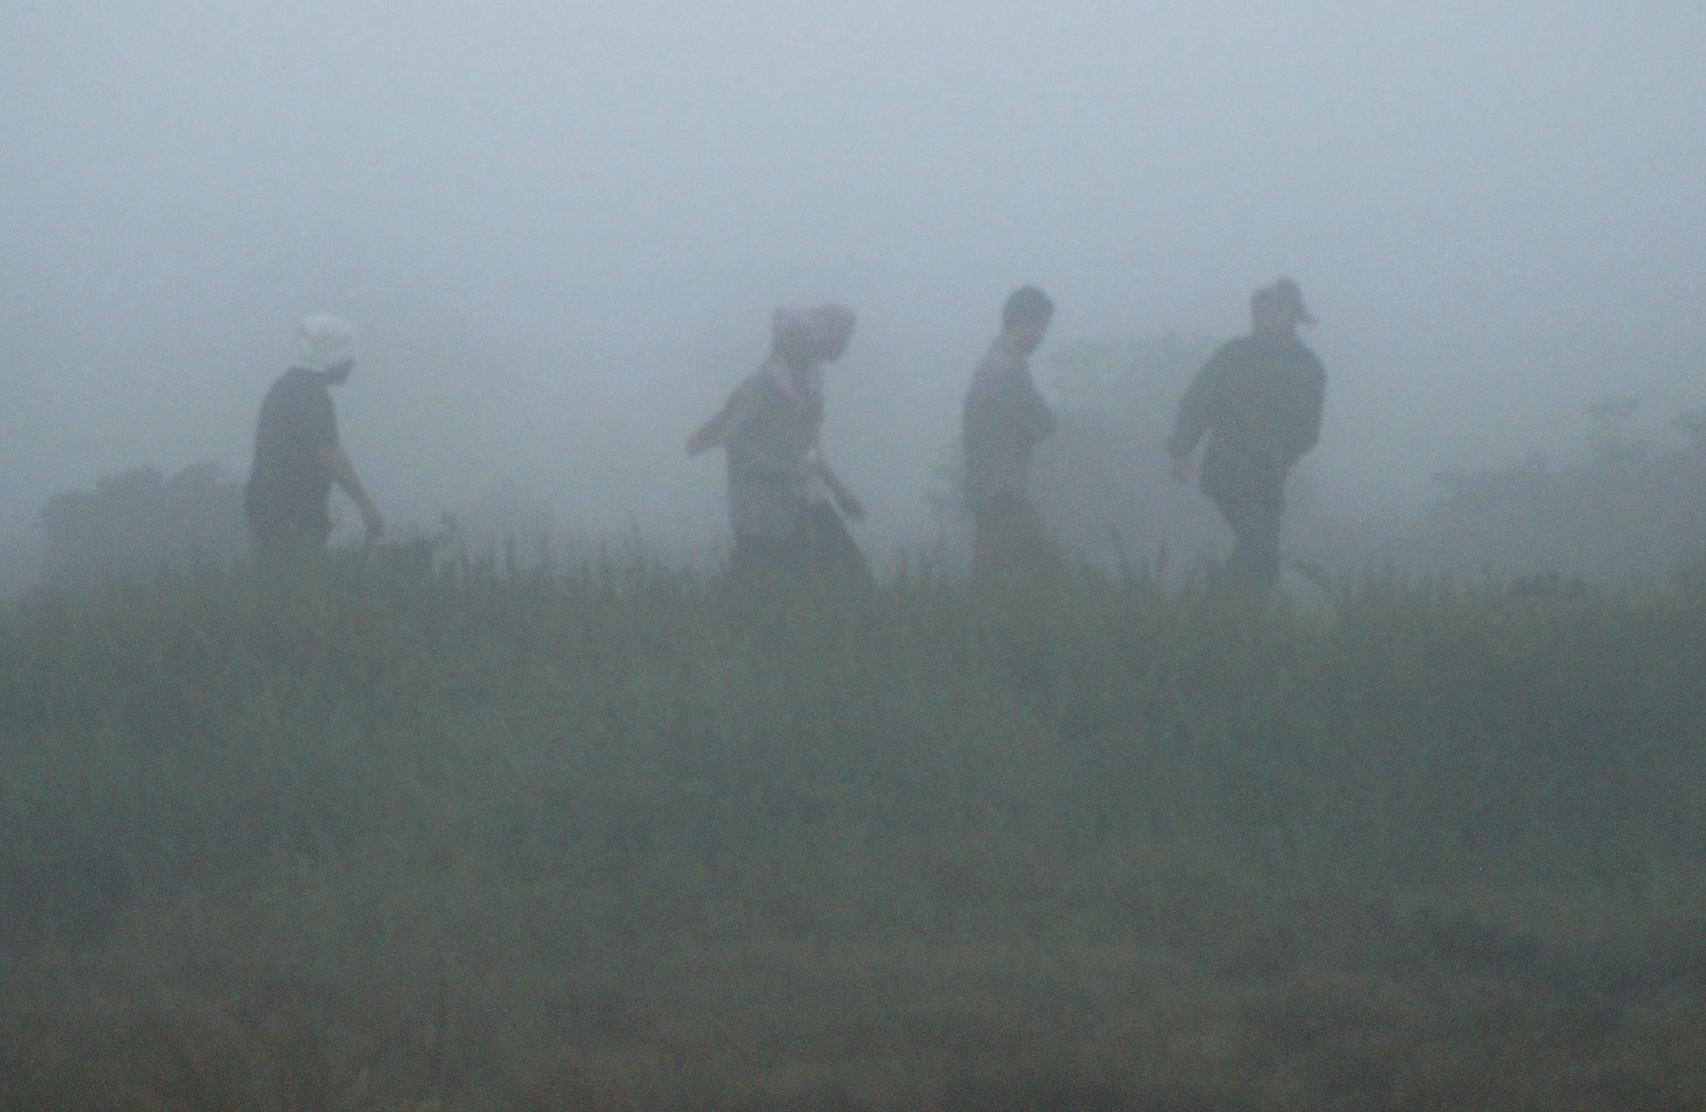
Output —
(337, 464)
(1196, 410)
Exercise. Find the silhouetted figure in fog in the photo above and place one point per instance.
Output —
(297, 454)
(1258, 399)
(783, 497)
(1004, 418)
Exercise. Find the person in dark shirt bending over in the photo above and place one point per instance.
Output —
(297, 454)
(1004, 418)
(1258, 399)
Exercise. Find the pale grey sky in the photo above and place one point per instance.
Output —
(560, 227)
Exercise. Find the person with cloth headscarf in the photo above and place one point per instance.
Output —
(783, 497)
(1258, 399)
(297, 454)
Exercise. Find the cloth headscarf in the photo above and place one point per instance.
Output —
(807, 336)
(816, 330)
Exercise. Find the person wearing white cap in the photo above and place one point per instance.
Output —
(1258, 400)
(297, 453)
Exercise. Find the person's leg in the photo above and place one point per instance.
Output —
(1255, 520)
(984, 542)
(1010, 542)
(1035, 554)
(758, 559)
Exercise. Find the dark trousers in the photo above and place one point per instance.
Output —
(1254, 516)
(277, 536)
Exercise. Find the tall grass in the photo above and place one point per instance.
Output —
(401, 832)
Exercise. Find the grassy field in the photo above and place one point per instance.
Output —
(397, 834)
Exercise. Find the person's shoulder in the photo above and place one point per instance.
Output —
(300, 380)
(751, 392)
(1000, 361)
(756, 384)
(1239, 347)
(294, 386)
(1230, 357)
(1308, 360)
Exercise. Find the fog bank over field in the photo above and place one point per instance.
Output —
(560, 230)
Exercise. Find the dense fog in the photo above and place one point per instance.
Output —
(560, 229)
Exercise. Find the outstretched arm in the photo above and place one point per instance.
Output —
(710, 435)
(343, 473)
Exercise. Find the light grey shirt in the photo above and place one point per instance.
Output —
(1005, 416)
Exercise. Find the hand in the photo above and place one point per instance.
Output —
(1183, 467)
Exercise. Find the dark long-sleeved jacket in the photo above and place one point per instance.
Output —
(1260, 404)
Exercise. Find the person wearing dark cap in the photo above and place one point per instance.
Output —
(297, 453)
(1004, 418)
(783, 497)
(1258, 400)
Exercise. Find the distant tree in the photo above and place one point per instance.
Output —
(1626, 506)
(139, 522)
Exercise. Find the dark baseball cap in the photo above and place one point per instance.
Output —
(1284, 295)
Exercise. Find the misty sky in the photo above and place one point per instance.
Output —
(559, 228)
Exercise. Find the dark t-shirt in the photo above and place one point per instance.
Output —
(288, 486)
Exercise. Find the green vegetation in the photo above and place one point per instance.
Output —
(400, 833)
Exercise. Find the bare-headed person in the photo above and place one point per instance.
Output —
(298, 457)
(1005, 417)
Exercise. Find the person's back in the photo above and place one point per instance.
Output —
(289, 486)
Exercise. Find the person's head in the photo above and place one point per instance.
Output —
(1025, 318)
(821, 333)
(1277, 310)
(828, 329)
(326, 345)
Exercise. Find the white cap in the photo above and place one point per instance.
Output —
(326, 342)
